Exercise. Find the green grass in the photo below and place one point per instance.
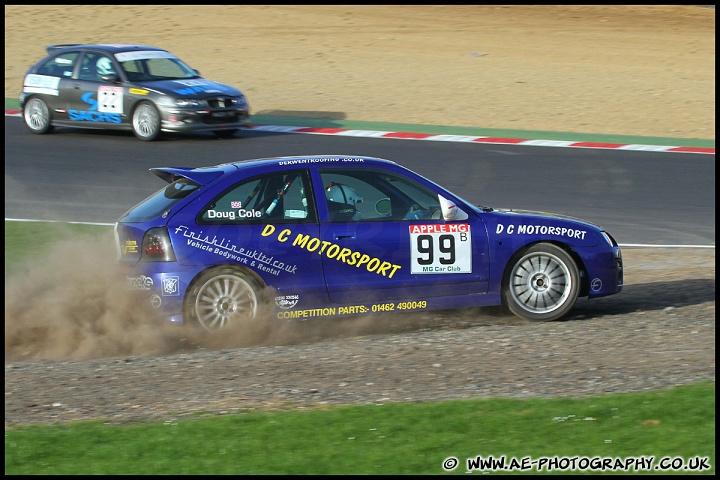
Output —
(372, 439)
(25, 241)
(380, 439)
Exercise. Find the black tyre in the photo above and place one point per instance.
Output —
(37, 116)
(542, 284)
(222, 297)
(146, 122)
(225, 133)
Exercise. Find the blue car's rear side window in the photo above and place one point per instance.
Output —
(161, 201)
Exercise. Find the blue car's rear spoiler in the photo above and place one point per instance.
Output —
(201, 177)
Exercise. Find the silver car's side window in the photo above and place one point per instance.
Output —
(93, 66)
(60, 66)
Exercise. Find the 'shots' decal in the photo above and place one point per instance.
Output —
(107, 111)
(383, 307)
(523, 229)
(335, 252)
(225, 248)
(440, 248)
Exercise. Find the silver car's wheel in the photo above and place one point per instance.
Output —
(222, 297)
(146, 122)
(37, 116)
(542, 284)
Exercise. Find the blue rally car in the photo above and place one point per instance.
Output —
(319, 236)
(144, 89)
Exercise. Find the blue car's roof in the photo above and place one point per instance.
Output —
(313, 160)
(204, 175)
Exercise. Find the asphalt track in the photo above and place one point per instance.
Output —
(642, 194)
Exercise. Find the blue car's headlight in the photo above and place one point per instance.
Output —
(609, 239)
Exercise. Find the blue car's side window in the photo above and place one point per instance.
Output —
(366, 195)
(273, 198)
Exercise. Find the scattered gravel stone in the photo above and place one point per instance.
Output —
(658, 333)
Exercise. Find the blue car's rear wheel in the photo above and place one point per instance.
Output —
(146, 122)
(37, 116)
(542, 284)
(222, 297)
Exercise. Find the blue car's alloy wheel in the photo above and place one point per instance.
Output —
(543, 284)
(222, 297)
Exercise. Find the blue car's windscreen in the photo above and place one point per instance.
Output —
(161, 201)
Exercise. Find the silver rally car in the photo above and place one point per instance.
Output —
(144, 89)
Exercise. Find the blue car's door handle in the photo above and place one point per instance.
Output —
(343, 237)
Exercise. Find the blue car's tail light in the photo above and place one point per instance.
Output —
(156, 246)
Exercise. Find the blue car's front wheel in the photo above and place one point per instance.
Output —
(542, 284)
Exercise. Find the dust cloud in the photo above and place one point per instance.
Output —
(68, 304)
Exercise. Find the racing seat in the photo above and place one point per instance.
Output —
(341, 212)
(271, 193)
(88, 71)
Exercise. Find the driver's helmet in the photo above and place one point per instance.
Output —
(340, 193)
(104, 66)
(343, 195)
